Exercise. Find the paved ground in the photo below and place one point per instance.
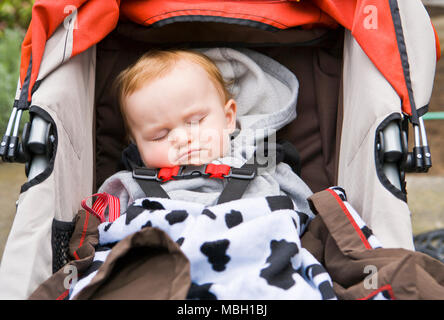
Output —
(426, 202)
(433, 2)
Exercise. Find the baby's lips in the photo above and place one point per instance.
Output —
(187, 155)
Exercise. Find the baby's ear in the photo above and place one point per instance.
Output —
(230, 109)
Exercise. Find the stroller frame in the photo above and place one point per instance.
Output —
(360, 139)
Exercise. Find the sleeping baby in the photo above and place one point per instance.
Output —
(178, 111)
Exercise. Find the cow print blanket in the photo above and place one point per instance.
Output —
(244, 249)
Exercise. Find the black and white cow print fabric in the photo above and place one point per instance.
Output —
(244, 249)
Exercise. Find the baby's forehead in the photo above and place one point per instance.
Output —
(185, 76)
(188, 67)
(185, 84)
(181, 73)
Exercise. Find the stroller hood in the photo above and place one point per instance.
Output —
(359, 16)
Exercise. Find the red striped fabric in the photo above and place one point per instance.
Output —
(387, 288)
(350, 218)
(103, 201)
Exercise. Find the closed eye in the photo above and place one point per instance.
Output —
(158, 139)
(196, 119)
(161, 136)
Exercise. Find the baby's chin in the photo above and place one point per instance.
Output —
(195, 158)
(195, 161)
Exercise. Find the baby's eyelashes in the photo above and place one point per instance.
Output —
(161, 136)
(195, 120)
(158, 139)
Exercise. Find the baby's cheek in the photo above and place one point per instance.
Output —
(225, 144)
(215, 139)
(156, 155)
(210, 138)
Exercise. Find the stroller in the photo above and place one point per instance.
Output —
(366, 72)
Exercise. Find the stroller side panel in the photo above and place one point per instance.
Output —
(27, 255)
(369, 103)
(66, 95)
(369, 99)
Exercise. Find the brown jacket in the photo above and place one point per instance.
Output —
(341, 247)
(144, 265)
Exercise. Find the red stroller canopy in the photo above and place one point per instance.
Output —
(96, 18)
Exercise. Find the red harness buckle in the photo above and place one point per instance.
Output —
(217, 170)
(166, 174)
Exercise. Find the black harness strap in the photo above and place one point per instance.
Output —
(147, 180)
(238, 179)
(238, 183)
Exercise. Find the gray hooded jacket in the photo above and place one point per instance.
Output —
(266, 94)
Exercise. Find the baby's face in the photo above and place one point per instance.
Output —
(180, 118)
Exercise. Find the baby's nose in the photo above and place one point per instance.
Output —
(182, 137)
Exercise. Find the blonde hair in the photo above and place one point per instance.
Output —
(157, 63)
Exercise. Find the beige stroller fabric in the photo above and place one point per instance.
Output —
(67, 94)
(367, 100)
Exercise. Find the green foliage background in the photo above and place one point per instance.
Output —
(15, 16)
